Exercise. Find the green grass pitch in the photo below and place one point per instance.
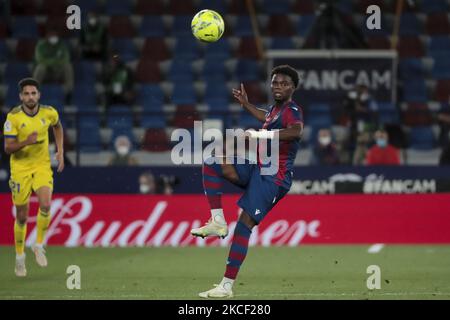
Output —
(305, 272)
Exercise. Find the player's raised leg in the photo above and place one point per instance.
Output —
(43, 220)
(236, 256)
(20, 233)
(214, 171)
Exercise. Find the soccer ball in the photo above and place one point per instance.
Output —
(207, 25)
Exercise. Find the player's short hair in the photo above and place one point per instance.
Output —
(28, 82)
(286, 70)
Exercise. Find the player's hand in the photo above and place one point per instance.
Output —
(32, 138)
(60, 158)
(240, 95)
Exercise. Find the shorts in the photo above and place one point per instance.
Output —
(22, 184)
(261, 193)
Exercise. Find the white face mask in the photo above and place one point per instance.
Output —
(325, 140)
(143, 188)
(92, 21)
(364, 97)
(53, 39)
(123, 150)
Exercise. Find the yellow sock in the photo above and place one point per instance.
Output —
(20, 232)
(43, 220)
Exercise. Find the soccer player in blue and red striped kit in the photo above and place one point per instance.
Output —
(262, 191)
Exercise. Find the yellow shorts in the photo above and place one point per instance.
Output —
(23, 184)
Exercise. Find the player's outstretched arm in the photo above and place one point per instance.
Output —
(59, 139)
(242, 98)
(292, 132)
(13, 145)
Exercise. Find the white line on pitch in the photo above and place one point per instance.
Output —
(375, 248)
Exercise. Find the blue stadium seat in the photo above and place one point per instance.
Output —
(87, 6)
(282, 43)
(89, 134)
(12, 96)
(126, 48)
(219, 6)
(391, 116)
(411, 69)
(219, 50)
(150, 95)
(15, 71)
(441, 69)
(84, 95)
(415, 91)
(153, 121)
(410, 25)
(386, 107)
(243, 27)
(247, 70)
(434, 6)
(345, 6)
(214, 71)
(186, 48)
(183, 94)
(439, 44)
(319, 119)
(24, 27)
(53, 95)
(84, 72)
(216, 95)
(180, 71)
(422, 138)
(276, 6)
(118, 7)
(120, 116)
(319, 108)
(182, 26)
(247, 121)
(3, 51)
(305, 24)
(152, 26)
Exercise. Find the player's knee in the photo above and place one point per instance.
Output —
(45, 206)
(247, 220)
(21, 214)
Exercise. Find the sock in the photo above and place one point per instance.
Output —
(238, 250)
(20, 232)
(227, 283)
(212, 184)
(43, 220)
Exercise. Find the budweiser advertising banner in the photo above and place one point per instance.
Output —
(136, 220)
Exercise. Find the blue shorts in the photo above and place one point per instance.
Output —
(261, 193)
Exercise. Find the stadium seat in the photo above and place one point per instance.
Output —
(385, 6)
(411, 68)
(185, 7)
(243, 27)
(410, 25)
(25, 50)
(4, 52)
(388, 117)
(180, 71)
(121, 27)
(319, 108)
(87, 6)
(247, 121)
(53, 94)
(24, 8)
(415, 91)
(218, 51)
(150, 96)
(216, 5)
(442, 91)
(273, 7)
(379, 42)
(145, 7)
(417, 114)
(84, 72)
(216, 95)
(247, 49)
(15, 71)
(214, 71)
(386, 107)
(305, 24)
(120, 116)
(118, 7)
(148, 71)
(441, 68)
(422, 138)
(84, 95)
(3, 30)
(282, 43)
(238, 7)
(155, 49)
(439, 44)
(152, 26)
(184, 117)
(319, 119)
(182, 26)
(434, 6)
(153, 121)
(280, 26)
(247, 70)
(155, 140)
(410, 47)
(304, 7)
(186, 48)
(183, 94)
(126, 48)
(89, 136)
(24, 27)
(437, 24)
(54, 8)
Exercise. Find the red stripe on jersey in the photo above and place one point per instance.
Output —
(207, 170)
(237, 256)
(240, 240)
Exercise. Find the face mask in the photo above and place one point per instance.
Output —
(143, 188)
(325, 140)
(382, 143)
(53, 39)
(364, 97)
(52, 148)
(123, 150)
(92, 21)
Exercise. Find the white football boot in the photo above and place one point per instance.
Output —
(217, 292)
(20, 269)
(39, 253)
(211, 228)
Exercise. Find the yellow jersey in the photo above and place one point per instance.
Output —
(20, 125)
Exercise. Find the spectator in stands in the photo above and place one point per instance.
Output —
(148, 184)
(53, 63)
(119, 83)
(362, 146)
(325, 152)
(94, 39)
(122, 156)
(382, 153)
(360, 111)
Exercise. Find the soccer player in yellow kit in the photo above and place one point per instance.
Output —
(26, 140)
